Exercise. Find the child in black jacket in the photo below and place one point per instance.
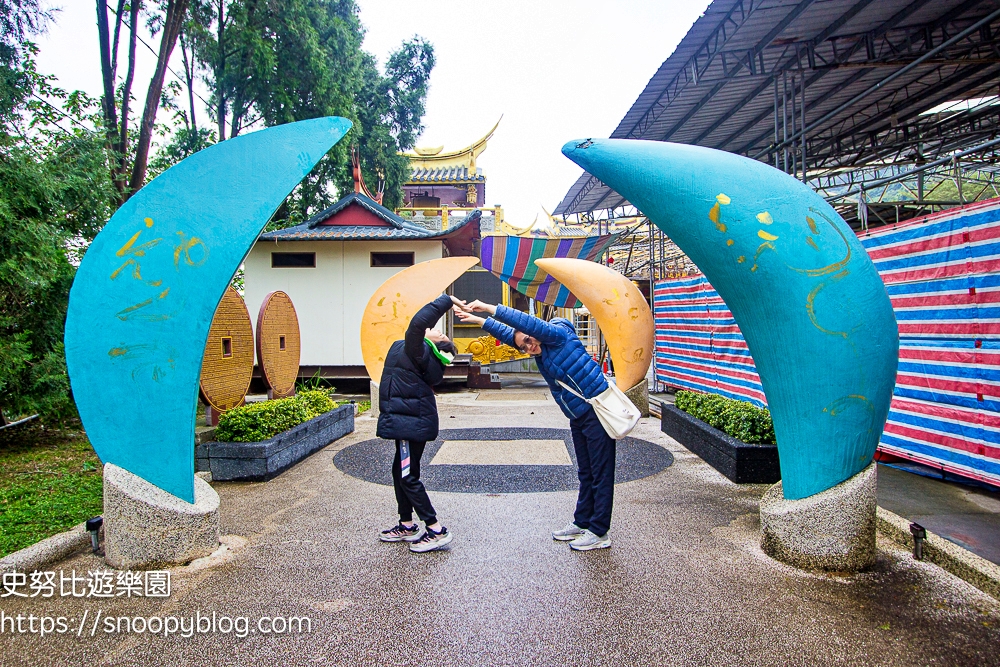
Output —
(408, 414)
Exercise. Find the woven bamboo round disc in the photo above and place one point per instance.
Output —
(227, 364)
(278, 343)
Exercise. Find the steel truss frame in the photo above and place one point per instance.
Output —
(892, 73)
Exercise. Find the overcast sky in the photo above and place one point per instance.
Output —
(556, 70)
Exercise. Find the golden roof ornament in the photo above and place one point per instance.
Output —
(436, 158)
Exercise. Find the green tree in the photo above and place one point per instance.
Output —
(274, 62)
(55, 197)
(390, 111)
(271, 62)
(130, 149)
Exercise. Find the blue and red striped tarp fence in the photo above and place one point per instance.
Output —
(698, 345)
(942, 273)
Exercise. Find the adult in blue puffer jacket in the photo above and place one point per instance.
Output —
(561, 357)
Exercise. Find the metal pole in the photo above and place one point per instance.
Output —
(663, 241)
(651, 264)
(863, 211)
(958, 180)
(776, 166)
(917, 170)
(784, 118)
(802, 106)
(898, 73)
(795, 154)
(628, 260)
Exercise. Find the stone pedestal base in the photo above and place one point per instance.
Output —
(833, 530)
(146, 527)
(639, 395)
(373, 411)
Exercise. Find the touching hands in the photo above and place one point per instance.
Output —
(479, 306)
(469, 318)
(463, 310)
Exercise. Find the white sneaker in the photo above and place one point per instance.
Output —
(589, 541)
(430, 540)
(570, 532)
(401, 533)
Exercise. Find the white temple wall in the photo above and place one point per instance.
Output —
(330, 298)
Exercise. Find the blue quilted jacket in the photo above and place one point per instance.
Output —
(563, 356)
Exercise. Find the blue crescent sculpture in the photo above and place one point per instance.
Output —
(811, 305)
(144, 296)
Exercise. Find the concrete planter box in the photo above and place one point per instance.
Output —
(260, 461)
(741, 462)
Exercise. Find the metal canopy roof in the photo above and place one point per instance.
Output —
(866, 70)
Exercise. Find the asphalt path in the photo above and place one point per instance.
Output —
(685, 582)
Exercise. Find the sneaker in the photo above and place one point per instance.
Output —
(401, 533)
(589, 541)
(570, 532)
(430, 541)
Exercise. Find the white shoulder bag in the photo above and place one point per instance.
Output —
(617, 413)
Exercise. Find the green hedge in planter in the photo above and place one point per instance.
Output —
(739, 419)
(254, 422)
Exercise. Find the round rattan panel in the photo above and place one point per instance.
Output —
(227, 364)
(278, 343)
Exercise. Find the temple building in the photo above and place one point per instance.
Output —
(331, 264)
(447, 178)
(444, 185)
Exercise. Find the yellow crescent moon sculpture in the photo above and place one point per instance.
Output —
(389, 310)
(619, 308)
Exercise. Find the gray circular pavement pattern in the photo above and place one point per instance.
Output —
(370, 460)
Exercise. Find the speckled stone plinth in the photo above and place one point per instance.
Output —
(146, 527)
(833, 530)
(639, 395)
(373, 410)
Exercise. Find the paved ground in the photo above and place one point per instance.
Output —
(684, 584)
(967, 515)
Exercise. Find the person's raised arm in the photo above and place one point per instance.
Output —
(424, 319)
(498, 330)
(523, 322)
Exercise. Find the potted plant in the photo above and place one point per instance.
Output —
(259, 440)
(734, 437)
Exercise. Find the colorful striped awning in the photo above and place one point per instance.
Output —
(512, 260)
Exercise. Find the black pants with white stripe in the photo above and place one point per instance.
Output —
(410, 492)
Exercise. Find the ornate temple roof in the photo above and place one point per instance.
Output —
(548, 225)
(446, 175)
(431, 165)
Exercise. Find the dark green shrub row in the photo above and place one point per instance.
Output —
(739, 419)
(259, 421)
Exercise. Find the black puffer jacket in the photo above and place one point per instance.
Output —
(407, 409)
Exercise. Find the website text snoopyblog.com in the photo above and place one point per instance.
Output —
(165, 626)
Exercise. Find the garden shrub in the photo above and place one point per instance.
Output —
(259, 421)
(317, 399)
(713, 410)
(739, 419)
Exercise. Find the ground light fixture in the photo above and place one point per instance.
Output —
(94, 527)
(919, 535)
